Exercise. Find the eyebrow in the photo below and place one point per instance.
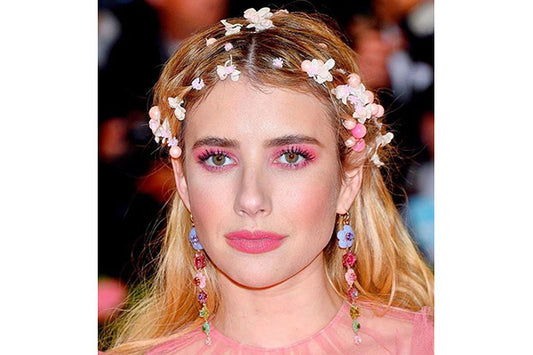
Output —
(275, 142)
(292, 139)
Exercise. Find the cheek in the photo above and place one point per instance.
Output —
(310, 202)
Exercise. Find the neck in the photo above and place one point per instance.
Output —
(279, 315)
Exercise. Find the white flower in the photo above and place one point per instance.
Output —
(228, 69)
(381, 140)
(342, 92)
(210, 41)
(319, 70)
(198, 84)
(259, 19)
(163, 131)
(277, 62)
(385, 139)
(172, 142)
(231, 28)
(228, 47)
(375, 159)
(179, 111)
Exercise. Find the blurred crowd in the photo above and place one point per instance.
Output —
(395, 43)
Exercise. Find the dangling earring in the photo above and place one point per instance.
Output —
(345, 237)
(200, 281)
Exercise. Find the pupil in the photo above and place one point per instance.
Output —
(291, 157)
(219, 159)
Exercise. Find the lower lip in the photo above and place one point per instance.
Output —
(254, 246)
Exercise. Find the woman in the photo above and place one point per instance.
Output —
(282, 236)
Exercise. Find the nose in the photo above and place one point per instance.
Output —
(253, 197)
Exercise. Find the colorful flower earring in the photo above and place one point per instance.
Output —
(345, 237)
(200, 281)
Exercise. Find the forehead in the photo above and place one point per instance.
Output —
(240, 109)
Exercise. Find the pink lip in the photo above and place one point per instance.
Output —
(256, 242)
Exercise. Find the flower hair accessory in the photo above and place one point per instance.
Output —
(179, 111)
(231, 28)
(355, 94)
(352, 94)
(319, 70)
(197, 84)
(259, 19)
(277, 62)
(228, 69)
(161, 131)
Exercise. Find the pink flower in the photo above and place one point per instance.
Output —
(277, 62)
(199, 280)
(350, 276)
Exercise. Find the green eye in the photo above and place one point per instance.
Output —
(291, 157)
(218, 159)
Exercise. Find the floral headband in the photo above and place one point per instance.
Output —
(353, 94)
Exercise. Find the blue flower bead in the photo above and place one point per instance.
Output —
(345, 236)
(193, 238)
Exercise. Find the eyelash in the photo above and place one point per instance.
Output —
(208, 154)
(306, 155)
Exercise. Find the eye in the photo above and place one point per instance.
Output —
(291, 158)
(294, 157)
(218, 160)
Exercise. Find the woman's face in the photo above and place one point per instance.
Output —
(262, 181)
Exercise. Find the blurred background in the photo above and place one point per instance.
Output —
(395, 43)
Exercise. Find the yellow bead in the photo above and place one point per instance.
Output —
(355, 311)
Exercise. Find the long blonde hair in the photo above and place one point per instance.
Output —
(389, 267)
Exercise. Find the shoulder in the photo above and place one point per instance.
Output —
(397, 330)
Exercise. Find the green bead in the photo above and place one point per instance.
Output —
(204, 312)
(206, 328)
(356, 326)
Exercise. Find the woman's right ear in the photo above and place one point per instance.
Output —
(181, 181)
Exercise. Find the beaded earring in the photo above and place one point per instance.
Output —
(345, 237)
(200, 281)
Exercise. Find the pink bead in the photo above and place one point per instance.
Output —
(380, 111)
(354, 80)
(199, 261)
(306, 65)
(370, 96)
(374, 109)
(175, 152)
(359, 130)
(349, 124)
(348, 259)
(154, 113)
(359, 146)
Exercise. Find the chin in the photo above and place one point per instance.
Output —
(255, 279)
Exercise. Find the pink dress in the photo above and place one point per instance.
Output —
(397, 332)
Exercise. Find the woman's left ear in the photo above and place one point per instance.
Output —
(181, 182)
(351, 184)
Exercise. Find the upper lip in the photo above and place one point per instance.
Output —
(255, 235)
